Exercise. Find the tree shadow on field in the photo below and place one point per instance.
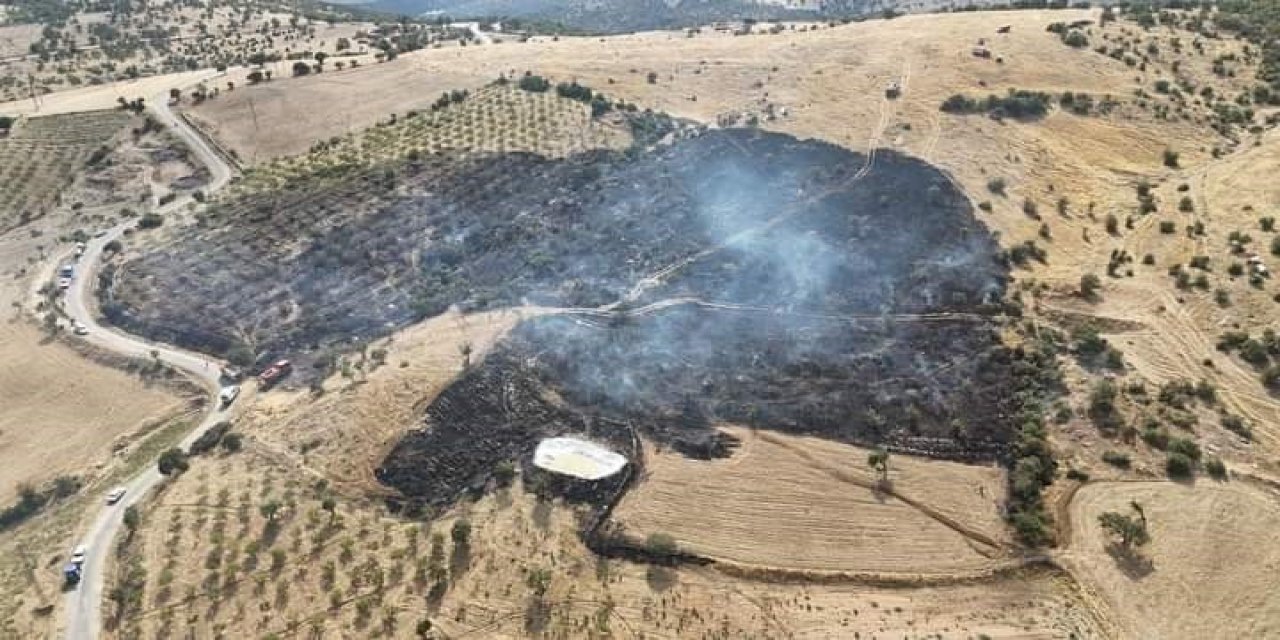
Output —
(460, 559)
(882, 490)
(1133, 564)
(660, 578)
(542, 514)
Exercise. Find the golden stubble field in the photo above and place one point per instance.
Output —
(1209, 571)
(812, 506)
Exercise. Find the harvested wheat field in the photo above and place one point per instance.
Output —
(62, 414)
(810, 505)
(1209, 571)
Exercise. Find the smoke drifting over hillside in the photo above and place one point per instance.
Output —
(752, 278)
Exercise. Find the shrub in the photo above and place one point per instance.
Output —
(1102, 404)
(1168, 226)
(1185, 447)
(461, 532)
(1112, 224)
(997, 186)
(1076, 40)
(301, 68)
(661, 545)
(1178, 466)
(535, 84)
(150, 220)
(1186, 205)
(1155, 437)
(232, 442)
(1236, 425)
(1089, 286)
(1116, 459)
(1170, 159)
(1215, 468)
(1267, 223)
(210, 439)
(504, 472)
(173, 462)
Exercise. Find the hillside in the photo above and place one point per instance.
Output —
(934, 325)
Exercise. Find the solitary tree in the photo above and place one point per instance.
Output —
(173, 462)
(1089, 285)
(878, 460)
(1130, 529)
(269, 509)
(461, 533)
(330, 505)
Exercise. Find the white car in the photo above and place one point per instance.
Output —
(229, 395)
(79, 328)
(78, 555)
(64, 283)
(115, 495)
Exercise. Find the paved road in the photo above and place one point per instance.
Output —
(84, 604)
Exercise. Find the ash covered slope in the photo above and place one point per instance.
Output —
(295, 271)
(735, 275)
(821, 298)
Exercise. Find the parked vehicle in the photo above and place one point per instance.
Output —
(115, 495)
(79, 328)
(71, 574)
(229, 395)
(78, 555)
(274, 373)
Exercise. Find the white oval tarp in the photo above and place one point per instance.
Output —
(577, 458)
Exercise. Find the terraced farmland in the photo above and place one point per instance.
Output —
(497, 119)
(41, 157)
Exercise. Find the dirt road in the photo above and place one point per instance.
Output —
(84, 603)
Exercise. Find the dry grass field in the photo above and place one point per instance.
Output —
(1209, 571)
(812, 506)
(344, 434)
(492, 119)
(41, 157)
(360, 574)
(66, 415)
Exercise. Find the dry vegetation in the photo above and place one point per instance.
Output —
(1208, 570)
(41, 156)
(1172, 177)
(495, 119)
(811, 506)
(522, 571)
(1070, 180)
(85, 423)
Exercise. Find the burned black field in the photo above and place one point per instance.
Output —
(732, 276)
